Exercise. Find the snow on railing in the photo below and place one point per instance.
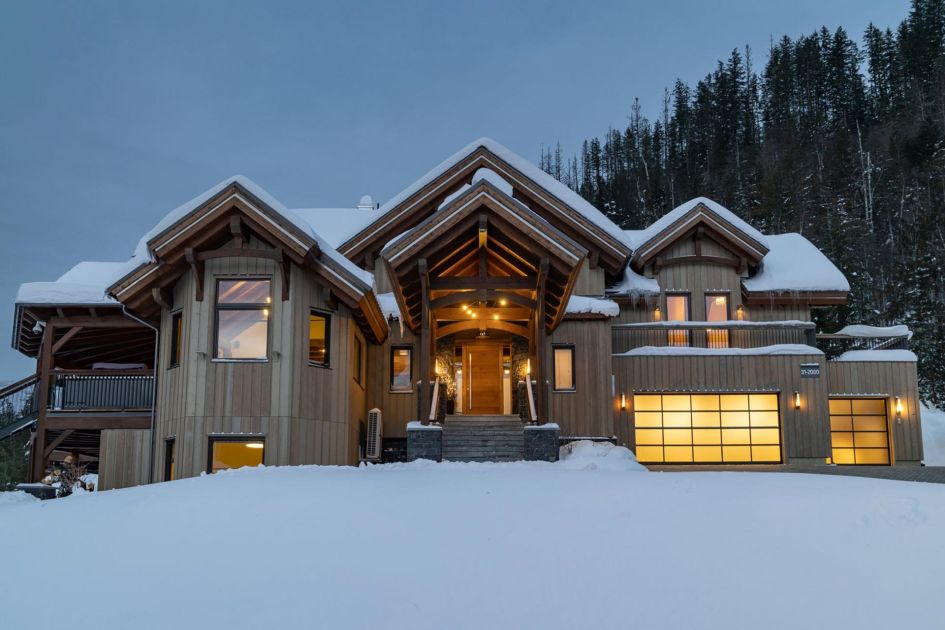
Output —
(715, 335)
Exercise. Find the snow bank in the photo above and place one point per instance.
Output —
(901, 356)
(933, 436)
(14, 498)
(875, 332)
(656, 351)
(428, 545)
(795, 264)
(588, 455)
(580, 304)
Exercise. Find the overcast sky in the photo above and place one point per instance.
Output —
(112, 113)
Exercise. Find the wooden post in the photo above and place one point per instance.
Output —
(541, 402)
(44, 365)
(425, 341)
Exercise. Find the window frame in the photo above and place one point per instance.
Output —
(684, 335)
(722, 336)
(177, 339)
(242, 306)
(390, 379)
(714, 294)
(327, 316)
(233, 437)
(170, 457)
(554, 367)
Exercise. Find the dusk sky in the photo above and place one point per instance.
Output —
(115, 112)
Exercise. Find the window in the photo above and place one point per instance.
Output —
(235, 452)
(401, 368)
(358, 360)
(707, 428)
(170, 459)
(319, 338)
(563, 359)
(858, 431)
(716, 310)
(177, 326)
(243, 319)
(677, 310)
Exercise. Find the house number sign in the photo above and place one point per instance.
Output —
(810, 370)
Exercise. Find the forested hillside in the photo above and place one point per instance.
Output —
(838, 140)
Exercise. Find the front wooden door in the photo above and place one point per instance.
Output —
(484, 378)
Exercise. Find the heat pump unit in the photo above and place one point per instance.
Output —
(375, 431)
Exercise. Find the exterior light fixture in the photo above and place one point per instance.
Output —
(740, 312)
(898, 410)
(472, 314)
(528, 366)
(496, 316)
(464, 307)
(623, 401)
(657, 314)
(797, 399)
(503, 302)
(254, 445)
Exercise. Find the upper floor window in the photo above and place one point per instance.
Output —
(242, 319)
(677, 310)
(401, 365)
(319, 338)
(177, 329)
(716, 310)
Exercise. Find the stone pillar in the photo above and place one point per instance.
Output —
(424, 442)
(541, 442)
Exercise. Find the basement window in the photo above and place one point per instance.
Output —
(242, 319)
(235, 452)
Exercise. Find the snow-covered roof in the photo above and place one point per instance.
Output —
(388, 304)
(900, 356)
(337, 225)
(778, 349)
(875, 332)
(634, 284)
(85, 284)
(580, 305)
(528, 169)
(795, 264)
(636, 238)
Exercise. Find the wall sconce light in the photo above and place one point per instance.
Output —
(740, 312)
(898, 410)
(623, 401)
(797, 399)
(657, 314)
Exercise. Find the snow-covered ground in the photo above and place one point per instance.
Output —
(591, 542)
(933, 436)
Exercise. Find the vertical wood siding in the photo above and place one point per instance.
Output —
(887, 380)
(125, 456)
(587, 411)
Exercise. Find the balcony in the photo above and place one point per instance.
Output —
(100, 399)
(712, 335)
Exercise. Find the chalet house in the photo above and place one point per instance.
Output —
(485, 312)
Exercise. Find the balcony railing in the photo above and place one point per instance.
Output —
(835, 344)
(728, 334)
(99, 390)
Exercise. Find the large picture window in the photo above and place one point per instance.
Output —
(242, 312)
(235, 452)
(707, 428)
(401, 368)
(319, 338)
(563, 358)
(677, 310)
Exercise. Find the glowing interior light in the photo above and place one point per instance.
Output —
(265, 312)
(720, 300)
(254, 445)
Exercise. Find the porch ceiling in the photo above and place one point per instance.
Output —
(484, 261)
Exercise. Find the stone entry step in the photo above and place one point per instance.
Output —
(483, 439)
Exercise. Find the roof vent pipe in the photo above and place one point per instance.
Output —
(366, 203)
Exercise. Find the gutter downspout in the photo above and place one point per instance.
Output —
(157, 345)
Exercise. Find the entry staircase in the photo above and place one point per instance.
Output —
(483, 438)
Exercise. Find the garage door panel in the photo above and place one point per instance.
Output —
(708, 428)
(859, 432)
